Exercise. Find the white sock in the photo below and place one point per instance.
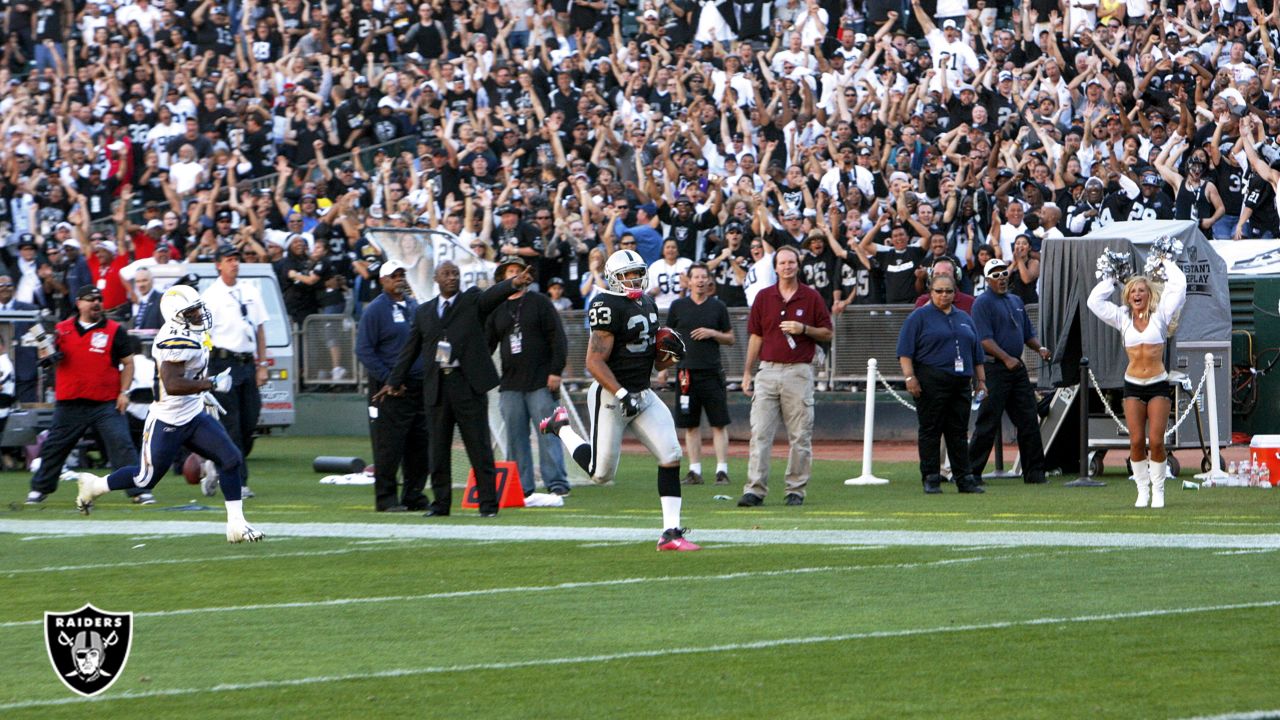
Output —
(722, 467)
(670, 512)
(570, 438)
(97, 484)
(235, 512)
(695, 467)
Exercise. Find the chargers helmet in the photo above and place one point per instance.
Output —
(182, 304)
(618, 266)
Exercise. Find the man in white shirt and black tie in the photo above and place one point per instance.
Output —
(26, 365)
(144, 311)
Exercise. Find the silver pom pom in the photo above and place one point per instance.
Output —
(1114, 265)
(1163, 248)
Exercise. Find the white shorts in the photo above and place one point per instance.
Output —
(653, 427)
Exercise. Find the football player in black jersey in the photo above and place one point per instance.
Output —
(621, 357)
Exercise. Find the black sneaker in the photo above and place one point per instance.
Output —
(795, 499)
(561, 491)
(750, 500)
(722, 477)
(692, 478)
(35, 497)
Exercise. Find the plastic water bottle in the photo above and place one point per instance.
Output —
(1255, 476)
(1232, 469)
(1264, 477)
(1242, 476)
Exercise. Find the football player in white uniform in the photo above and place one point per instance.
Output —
(620, 356)
(178, 419)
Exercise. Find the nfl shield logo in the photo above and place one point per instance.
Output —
(88, 647)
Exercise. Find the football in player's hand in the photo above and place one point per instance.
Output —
(670, 342)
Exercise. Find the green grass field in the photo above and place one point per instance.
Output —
(879, 602)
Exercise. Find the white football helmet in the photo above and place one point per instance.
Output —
(182, 304)
(618, 265)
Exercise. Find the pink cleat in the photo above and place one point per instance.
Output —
(552, 425)
(673, 539)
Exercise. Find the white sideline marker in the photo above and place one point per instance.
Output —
(560, 533)
(868, 432)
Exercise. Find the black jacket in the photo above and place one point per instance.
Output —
(151, 318)
(463, 327)
(543, 346)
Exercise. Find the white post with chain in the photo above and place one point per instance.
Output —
(1215, 473)
(868, 432)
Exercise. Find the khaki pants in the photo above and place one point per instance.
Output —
(783, 392)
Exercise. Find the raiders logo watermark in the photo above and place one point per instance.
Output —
(88, 647)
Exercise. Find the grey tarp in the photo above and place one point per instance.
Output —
(1068, 272)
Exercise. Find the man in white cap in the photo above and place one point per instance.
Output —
(1004, 328)
(398, 425)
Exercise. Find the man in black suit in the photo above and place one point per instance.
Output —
(144, 311)
(448, 332)
(25, 364)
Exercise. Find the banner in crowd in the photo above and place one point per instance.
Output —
(421, 251)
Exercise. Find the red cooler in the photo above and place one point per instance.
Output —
(1267, 450)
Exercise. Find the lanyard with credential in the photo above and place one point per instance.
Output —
(955, 337)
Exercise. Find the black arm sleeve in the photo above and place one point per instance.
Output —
(121, 345)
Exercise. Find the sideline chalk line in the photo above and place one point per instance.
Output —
(611, 534)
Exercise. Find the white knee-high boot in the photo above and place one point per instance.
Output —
(1157, 482)
(1142, 478)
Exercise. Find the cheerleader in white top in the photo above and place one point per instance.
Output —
(1147, 319)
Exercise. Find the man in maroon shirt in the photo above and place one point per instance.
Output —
(787, 321)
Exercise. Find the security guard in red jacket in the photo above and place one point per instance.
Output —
(93, 357)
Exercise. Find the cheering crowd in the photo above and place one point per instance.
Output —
(876, 137)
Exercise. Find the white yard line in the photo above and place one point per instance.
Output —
(1243, 715)
(1245, 552)
(659, 653)
(183, 561)
(507, 533)
(337, 602)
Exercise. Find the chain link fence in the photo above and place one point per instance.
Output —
(327, 347)
(862, 332)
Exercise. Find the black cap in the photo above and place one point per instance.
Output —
(190, 280)
(504, 209)
(227, 251)
(555, 281)
(88, 291)
(224, 215)
(733, 227)
(26, 239)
